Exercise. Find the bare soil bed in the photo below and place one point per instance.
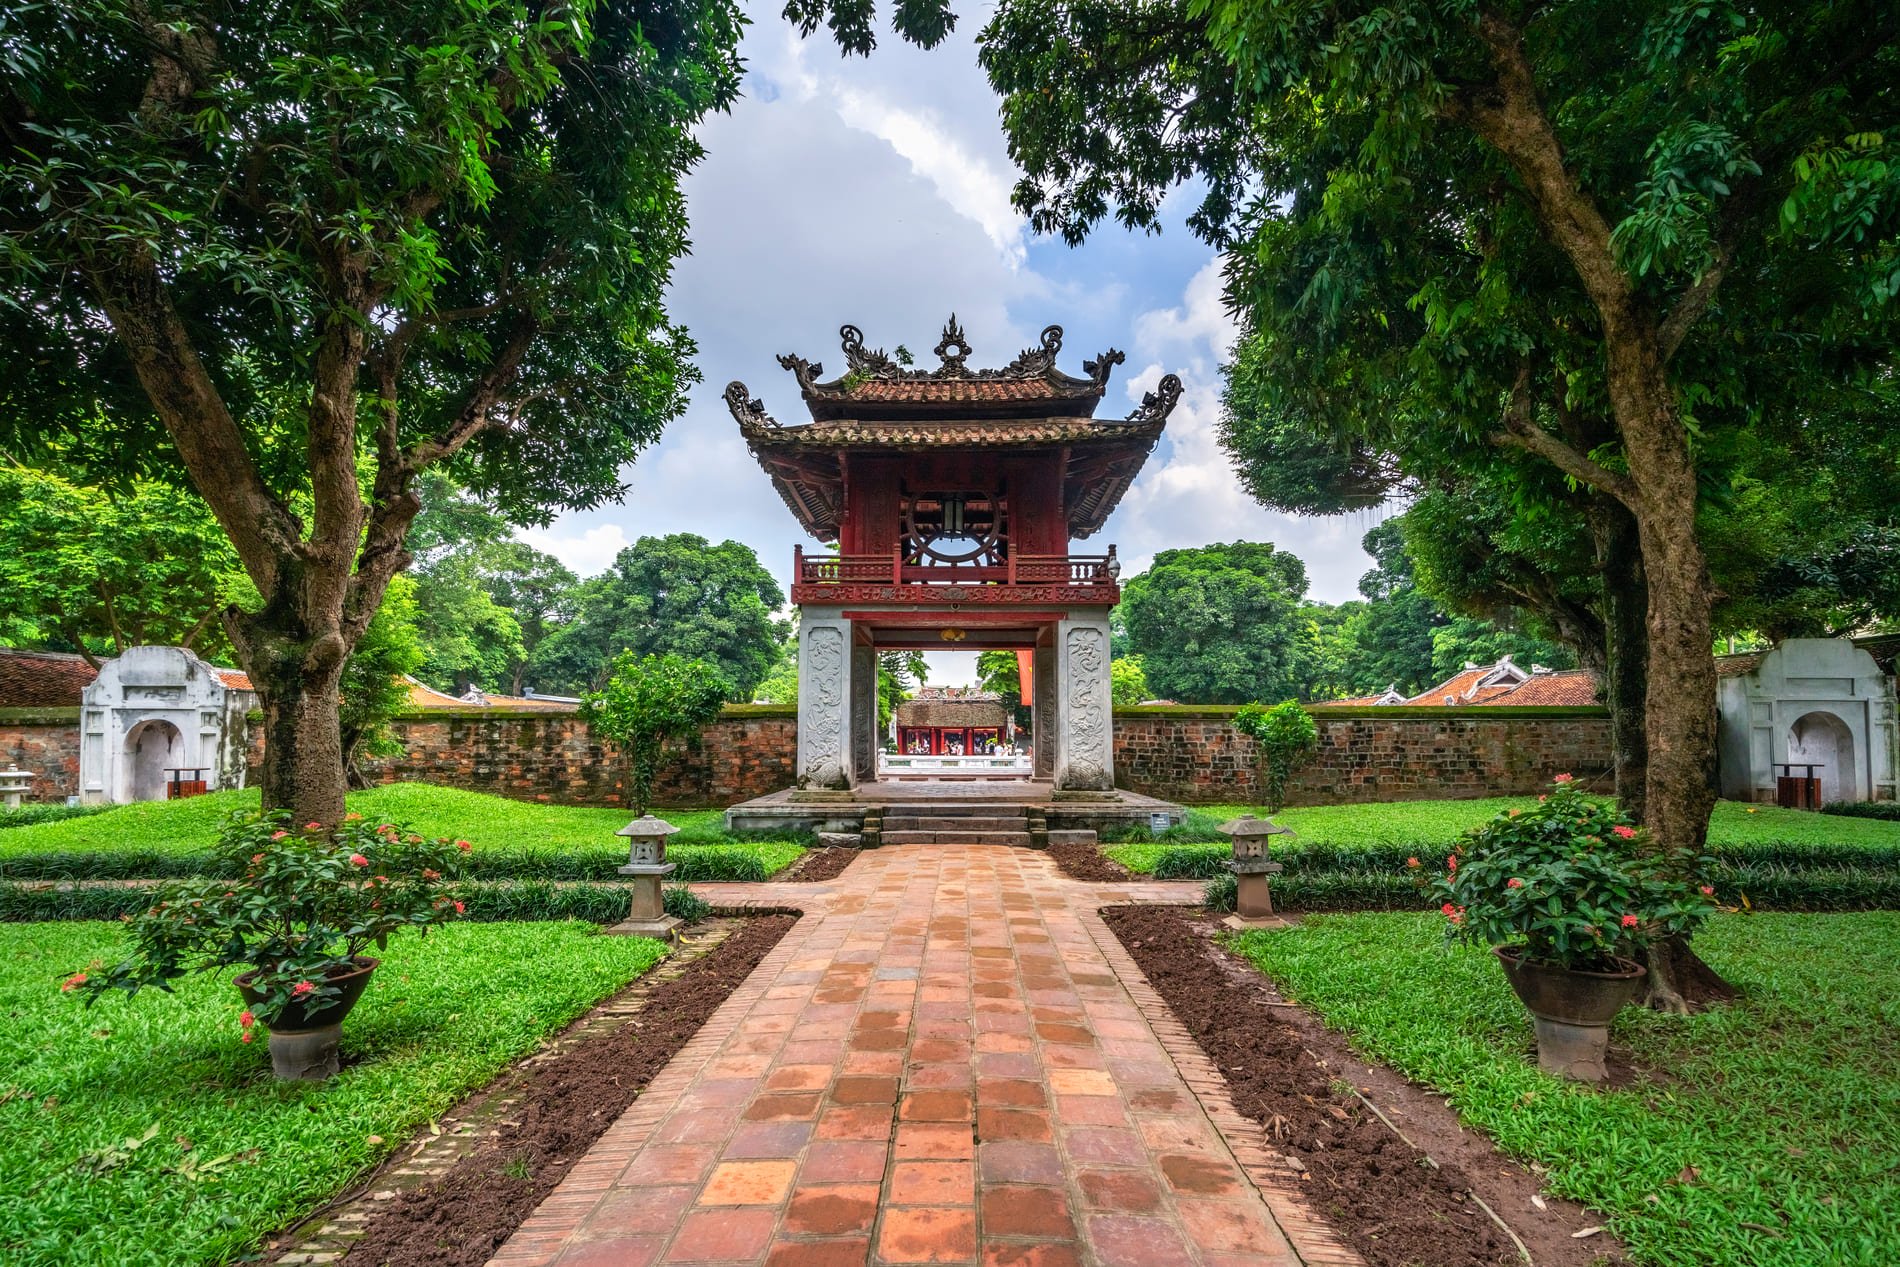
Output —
(819, 865)
(1285, 1070)
(1087, 862)
(563, 1106)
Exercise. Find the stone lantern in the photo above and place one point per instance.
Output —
(647, 864)
(1253, 898)
(15, 784)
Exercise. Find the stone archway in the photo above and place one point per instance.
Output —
(152, 749)
(1823, 738)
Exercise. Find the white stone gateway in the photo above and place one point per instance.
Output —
(157, 711)
(1823, 701)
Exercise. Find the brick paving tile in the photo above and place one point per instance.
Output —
(947, 1060)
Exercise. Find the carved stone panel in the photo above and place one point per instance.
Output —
(823, 699)
(1084, 759)
(1044, 714)
(864, 713)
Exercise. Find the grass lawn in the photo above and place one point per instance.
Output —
(508, 836)
(234, 1155)
(1784, 1110)
(1417, 825)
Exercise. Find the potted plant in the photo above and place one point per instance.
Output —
(301, 911)
(1567, 894)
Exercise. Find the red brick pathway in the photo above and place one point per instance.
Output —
(948, 1060)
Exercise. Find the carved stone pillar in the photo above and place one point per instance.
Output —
(1085, 758)
(864, 734)
(824, 700)
(1043, 713)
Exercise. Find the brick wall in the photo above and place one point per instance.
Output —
(541, 756)
(1188, 754)
(1194, 754)
(45, 741)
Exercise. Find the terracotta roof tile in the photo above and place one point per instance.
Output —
(951, 390)
(1571, 687)
(236, 679)
(42, 679)
(1360, 700)
(1455, 686)
(885, 433)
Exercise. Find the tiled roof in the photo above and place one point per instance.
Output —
(955, 692)
(42, 679)
(421, 696)
(1739, 663)
(1455, 686)
(955, 390)
(1572, 686)
(951, 712)
(1353, 700)
(236, 679)
(948, 432)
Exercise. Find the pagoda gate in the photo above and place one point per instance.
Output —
(951, 497)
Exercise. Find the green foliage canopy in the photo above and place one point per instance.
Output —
(1218, 624)
(649, 700)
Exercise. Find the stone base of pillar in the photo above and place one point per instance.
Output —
(666, 928)
(646, 907)
(1242, 923)
(1253, 890)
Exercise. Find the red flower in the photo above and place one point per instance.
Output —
(1630, 921)
(300, 989)
(1451, 862)
(1542, 799)
(1622, 831)
(256, 858)
(1448, 909)
(1411, 862)
(246, 1019)
(462, 845)
(351, 817)
(73, 982)
(1513, 883)
(430, 873)
(278, 835)
(1511, 813)
(246, 1036)
(313, 826)
(459, 908)
(1708, 890)
(1565, 778)
(358, 860)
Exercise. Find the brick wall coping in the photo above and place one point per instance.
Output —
(476, 712)
(40, 716)
(1355, 712)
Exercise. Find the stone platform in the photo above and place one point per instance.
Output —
(996, 799)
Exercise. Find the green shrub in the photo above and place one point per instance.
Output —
(1193, 862)
(1222, 893)
(1885, 811)
(29, 815)
(1285, 737)
(685, 905)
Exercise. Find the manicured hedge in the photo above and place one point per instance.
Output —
(29, 815)
(747, 862)
(1886, 811)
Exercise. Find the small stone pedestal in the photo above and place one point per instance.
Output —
(647, 864)
(14, 784)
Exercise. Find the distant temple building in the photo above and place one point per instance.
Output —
(947, 721)
(952, 495)
(1503, 683)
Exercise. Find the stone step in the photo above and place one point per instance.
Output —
(1072, 836)
(1015, 839)
(951, 822)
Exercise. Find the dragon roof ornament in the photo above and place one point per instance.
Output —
(953, 351)
(1159, 403)
(748, 411)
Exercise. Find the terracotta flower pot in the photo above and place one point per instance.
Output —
(303, 1040)
(1571, 1010)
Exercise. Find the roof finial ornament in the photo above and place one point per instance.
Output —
(954, 349)
(1159, 403)
(859, 359)
(1098, 369)
(749, 413)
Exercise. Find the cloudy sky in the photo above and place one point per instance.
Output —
(876, 192)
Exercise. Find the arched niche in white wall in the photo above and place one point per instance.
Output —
(152, 710)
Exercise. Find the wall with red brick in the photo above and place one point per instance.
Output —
(542, 756)
(1187, 754)
(45, 741)
(1194, 754)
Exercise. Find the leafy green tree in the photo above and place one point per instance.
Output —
(1218, 624)
(99, 571)
(780, 683)
(1127, 684)
(1285, 736)
(375, 683)
(649, 700)
(1469, 641)
(1605, 236)
(678, 595)
(309, 252)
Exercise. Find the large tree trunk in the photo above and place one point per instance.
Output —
(296, 676)
(1626, 639)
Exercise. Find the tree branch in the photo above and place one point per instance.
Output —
(1519, 430)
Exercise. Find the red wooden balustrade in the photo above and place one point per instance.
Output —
(893, 569)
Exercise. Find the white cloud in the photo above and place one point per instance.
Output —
(586, 552)
(1201, 318)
